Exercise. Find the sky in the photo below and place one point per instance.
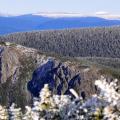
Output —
(71, 6)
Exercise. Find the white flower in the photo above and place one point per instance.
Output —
(74, 93)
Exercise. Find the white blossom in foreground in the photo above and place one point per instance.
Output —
(108, 91)
(102, 106)
(3, 113)
(15, 113)
(28, 114)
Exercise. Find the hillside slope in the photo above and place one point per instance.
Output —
(24, 71)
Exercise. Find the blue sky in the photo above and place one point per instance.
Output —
(75, 6)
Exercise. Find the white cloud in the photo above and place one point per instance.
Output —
(102, 13)
(107, 15)
(58, 14)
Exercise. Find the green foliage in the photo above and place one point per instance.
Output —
(106, 66)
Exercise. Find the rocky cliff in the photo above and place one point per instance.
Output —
(24, 71)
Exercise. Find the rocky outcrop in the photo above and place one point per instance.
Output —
(57, 75)
(24, 71)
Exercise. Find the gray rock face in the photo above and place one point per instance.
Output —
(24, 71)
(9, 64)
(1, 49)
(58, 76)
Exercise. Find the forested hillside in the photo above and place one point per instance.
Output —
(87, 42)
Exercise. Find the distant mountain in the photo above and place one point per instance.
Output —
(20, 23)
(77, 22)
(30, 22)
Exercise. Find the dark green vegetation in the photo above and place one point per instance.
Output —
(89, 42)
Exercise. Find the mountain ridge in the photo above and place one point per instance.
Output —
(32, 22)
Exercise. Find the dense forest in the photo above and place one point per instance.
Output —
(85, 42)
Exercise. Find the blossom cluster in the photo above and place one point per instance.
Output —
(102, 106)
